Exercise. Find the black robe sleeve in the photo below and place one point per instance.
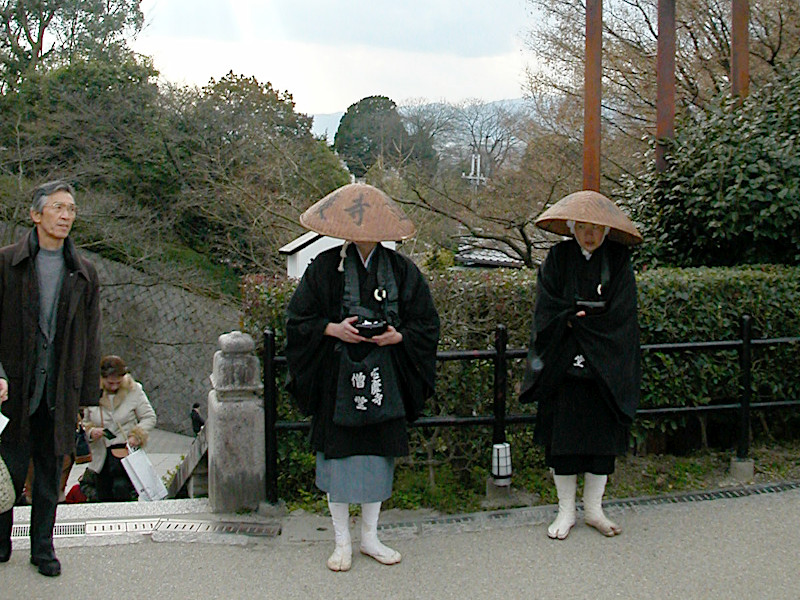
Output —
(416, 354)
(609, 340)
(547, 358)
(308, 352)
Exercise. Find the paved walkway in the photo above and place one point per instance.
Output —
(711, 547)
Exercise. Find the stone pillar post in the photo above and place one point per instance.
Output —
(235, 427)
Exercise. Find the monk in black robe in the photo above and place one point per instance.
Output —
(355, 463)
(584, 367)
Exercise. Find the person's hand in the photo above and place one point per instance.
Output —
(95, 433)
(580, 313)
(345, 331)
(133, 441)
(389, 337)
(3, 390)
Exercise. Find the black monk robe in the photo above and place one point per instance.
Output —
(313, 364)
(608, 340)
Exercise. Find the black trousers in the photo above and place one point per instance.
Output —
(573, 464)
(46, 482)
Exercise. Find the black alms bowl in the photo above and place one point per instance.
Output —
(369, 329)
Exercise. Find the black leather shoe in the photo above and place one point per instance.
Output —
(5, 552)
(49, 567)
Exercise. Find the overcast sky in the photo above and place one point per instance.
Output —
(331, 53)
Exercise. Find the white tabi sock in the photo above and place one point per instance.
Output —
(342, 556)
(566, 486)
(593, 489)
(370, 544)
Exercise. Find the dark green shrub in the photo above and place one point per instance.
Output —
(730, 193)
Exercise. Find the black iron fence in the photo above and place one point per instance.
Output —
(500, 355)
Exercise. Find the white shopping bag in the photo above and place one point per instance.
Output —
(143, 476)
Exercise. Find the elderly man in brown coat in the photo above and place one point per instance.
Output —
(49, 359)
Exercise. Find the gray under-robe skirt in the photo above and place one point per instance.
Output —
(356, 479)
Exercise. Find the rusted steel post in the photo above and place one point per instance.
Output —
(592, 94)
(665, 81)
(740, 49)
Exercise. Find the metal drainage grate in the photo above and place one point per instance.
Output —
(740, 492)
(135, 526)
(60, 530)
(253, 529)
(273, 529)
(528, 514)
(146, 526)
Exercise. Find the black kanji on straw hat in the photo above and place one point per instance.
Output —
(359, 213)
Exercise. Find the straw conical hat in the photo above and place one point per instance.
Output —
(359, 213)
(590, 207)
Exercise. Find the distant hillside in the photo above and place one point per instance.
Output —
(327, 124)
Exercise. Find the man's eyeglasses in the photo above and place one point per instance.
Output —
(60, 207)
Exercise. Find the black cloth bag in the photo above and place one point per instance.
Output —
(83, 453)
(367, 391)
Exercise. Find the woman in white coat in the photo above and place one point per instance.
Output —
(123, 420)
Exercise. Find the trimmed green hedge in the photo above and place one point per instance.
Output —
(707, 304)
(675, 305)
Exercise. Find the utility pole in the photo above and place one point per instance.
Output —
(475, 177)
